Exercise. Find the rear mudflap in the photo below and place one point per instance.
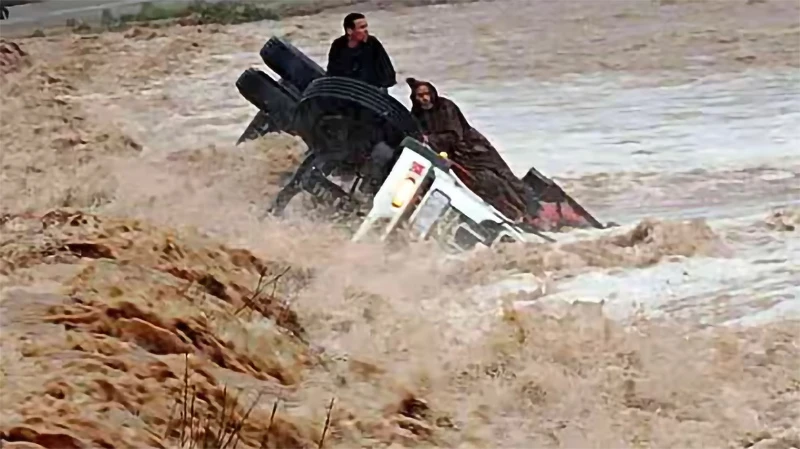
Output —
(557, 208)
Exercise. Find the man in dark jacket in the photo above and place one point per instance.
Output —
(358, 55)
(446, 129)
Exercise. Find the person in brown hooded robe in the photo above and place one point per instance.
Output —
(487, 174)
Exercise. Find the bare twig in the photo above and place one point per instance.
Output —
(265, 439)
(274, 282)
(260, 286)
(218, 436)
(251, 302)
(206, 433)
(202, 419)
(196, 437)
(229, 422)
(248, 302)
(327, 423)
(185, 395)
(235, 431)
(191, 416)
(171, 417)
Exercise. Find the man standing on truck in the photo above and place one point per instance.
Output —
(358, 55)
(487, 174)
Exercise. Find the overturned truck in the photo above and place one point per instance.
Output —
(342, 119)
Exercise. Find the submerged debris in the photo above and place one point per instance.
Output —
(12, 57)
(783, 220)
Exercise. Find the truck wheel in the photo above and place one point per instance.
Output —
(290, 63)
(268, 95)
(347, 114)
(276, 102)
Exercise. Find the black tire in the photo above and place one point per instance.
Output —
(369, 115)
(276, 103)
(269, 96)
(290, 63)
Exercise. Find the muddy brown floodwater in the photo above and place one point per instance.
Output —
(129, 238)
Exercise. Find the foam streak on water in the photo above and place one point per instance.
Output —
(720, 147)
(600, 124)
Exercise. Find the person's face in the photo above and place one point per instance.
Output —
(424, 97)
(359, 33)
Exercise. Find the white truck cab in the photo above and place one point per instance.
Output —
(423, 195)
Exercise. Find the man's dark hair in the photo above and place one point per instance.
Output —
(350, 20)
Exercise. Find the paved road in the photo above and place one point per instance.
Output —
(48, 13)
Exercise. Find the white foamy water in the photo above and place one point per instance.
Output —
(721, 147)
(721, 136)
(600, 124)
(724, 148)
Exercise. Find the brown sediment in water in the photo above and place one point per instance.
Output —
(131, 302)
(270, 159)
(12, 57)
(95, 356)
(784, 220)
(648, 243)
(98, 309)
(53, 153)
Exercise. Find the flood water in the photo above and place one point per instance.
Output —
(723, 148)
(676, 119)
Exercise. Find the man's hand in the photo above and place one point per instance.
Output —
(425, 139)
